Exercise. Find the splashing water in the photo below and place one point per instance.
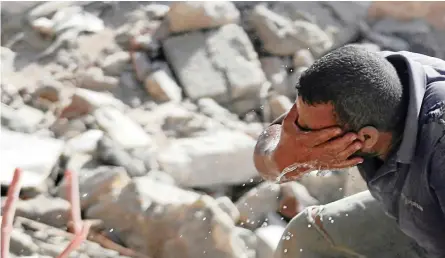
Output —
(291, 168)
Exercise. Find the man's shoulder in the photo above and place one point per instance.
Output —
(434, 62)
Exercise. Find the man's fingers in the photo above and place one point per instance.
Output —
(339, 144)
(289, 121)
(347, 163)
(351, 149)
(316, 138)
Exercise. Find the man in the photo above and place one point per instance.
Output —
(385, 113)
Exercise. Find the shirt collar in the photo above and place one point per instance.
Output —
(416, 91)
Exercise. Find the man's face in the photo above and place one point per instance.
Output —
(320, 116)
(311, 118)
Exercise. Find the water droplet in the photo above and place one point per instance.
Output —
(244, 184)
(84, 195)
(180, 236)
(301, 250)
(309, 225)
(251, 180)
(59, 216)
(347, 214)
(330, 218)
(284, 207)
(287, 237)
(204, 218)
(111, 229)
(204, 252)
(285, 250)
(332, 221)
(340, 189)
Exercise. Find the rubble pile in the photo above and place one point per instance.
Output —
(157, 107)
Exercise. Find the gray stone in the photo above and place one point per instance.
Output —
(9, 93)
(111, 153)
(51, 211)
(121, 129)
(144, 213)
(343, 17)
(162, 87)
(227, 205)
(250, 240)
(293, 78)
(156, 11)
(141, 65)
(228, 154)
(43, 241)
(303, 58)
(275, 70)
(7, 60)
(268, 239)
(226, 58)
(114, 64)
(22, 244)
(190, 16)
(282, 36)
(66, 129)
(130, 91)
(97, 184)
(161, 177)
(24, 119)
(184, 123)
(80, 161)
(36, 155)
(211, 108)
(256, 203)
(325, 186)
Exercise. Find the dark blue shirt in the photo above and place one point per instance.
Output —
(410, 184)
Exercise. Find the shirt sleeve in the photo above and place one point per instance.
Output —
(438, 172)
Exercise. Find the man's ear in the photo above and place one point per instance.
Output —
(369, 136)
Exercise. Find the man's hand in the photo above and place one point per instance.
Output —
(308, 151)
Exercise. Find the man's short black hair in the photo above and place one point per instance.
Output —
(363, 87)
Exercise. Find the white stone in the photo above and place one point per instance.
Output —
(85, 142)
(98, 99)
(275, 70)
(221, 64)
(268, 239)
(195, 15)
(224, 157)
(257, 202)
(282, 36)
(35, 155)
(124, 131)
(279, 105)
(162, 87)
(114, 64)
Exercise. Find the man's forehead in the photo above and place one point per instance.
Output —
(315, 117)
